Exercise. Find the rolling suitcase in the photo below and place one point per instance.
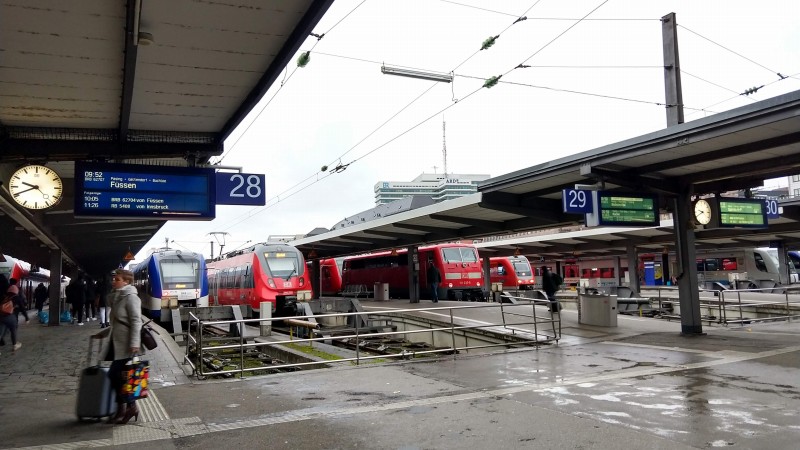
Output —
(95, 394)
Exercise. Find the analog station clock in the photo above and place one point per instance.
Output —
(36, 187)
(702, 211)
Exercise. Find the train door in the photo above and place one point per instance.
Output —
(572, 274)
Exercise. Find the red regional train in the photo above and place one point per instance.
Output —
(458, 264)
(268, 272)
(330, 276)
(28, 276)
(514, 272)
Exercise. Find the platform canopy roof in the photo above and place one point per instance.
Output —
(733, 150)
(143, 81)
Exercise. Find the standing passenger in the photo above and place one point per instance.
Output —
(76, 295)
(126, 325)
(550, 284)
(434, 278)
(102, 303)
(7, 320)
(40, 296)
(91, 304)
(20, 304)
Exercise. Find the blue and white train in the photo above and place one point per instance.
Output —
(169, 279)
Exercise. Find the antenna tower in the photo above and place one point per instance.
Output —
(444, 146)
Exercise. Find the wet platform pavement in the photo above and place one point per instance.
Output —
(638, 385)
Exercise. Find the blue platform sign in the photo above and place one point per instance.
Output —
(152, 192)
(577, 201)
(772, 208)
(241, 189)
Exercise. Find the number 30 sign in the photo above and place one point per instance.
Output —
(241, 189)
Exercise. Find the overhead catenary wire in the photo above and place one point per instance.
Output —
(283, 83)
(683, 72)
(423, 93)
(735, 53)
(739, 95)
(375, 130)
(282, 196)
(436, 114)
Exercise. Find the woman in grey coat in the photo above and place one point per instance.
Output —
(126, 325)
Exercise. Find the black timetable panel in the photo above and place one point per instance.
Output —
(626, 209)
(153, 192)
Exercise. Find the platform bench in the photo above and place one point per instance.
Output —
(356, 290)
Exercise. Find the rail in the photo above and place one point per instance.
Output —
(513, 320)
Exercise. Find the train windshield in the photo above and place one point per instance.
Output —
(459, 255)
(178, 273)
(522, 268)
(282, 264)
(794, 260)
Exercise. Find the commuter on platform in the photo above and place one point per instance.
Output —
(3, 284)
(551, 283)
(103, 307)
(91, 300)
(8, 321)
(40, 296)
(20, 304)
(434, 278)
(76, 296)
(126, 325)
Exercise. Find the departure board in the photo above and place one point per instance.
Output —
(153, 192)
(742, 212)
(626, 209)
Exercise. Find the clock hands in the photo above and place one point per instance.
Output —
(34, 186)
(26, 190)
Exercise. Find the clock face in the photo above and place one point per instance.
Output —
(35, 187)
(702, 211)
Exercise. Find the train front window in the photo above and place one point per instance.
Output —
(523, 268)
(180, 273)
(760, 264)
(469, 255)
(282, 265)
(459, 255)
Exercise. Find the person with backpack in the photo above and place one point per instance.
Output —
(8, 321)
(551, 282)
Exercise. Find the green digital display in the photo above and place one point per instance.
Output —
(741, 212)
(621, 209)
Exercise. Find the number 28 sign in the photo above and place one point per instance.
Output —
(241, 189)
(577, 201)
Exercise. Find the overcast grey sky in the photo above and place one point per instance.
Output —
(595, 77)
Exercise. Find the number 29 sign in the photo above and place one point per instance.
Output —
(241, 189)
(577, 201)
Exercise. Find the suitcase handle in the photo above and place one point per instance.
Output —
(92, 340)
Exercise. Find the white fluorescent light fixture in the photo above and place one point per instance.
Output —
(432, 76)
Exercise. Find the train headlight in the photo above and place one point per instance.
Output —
(270, 283)
(302, 281)
(449, 285)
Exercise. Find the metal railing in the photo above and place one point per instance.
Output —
(510, 330)
(769, 310)
(731, 308)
